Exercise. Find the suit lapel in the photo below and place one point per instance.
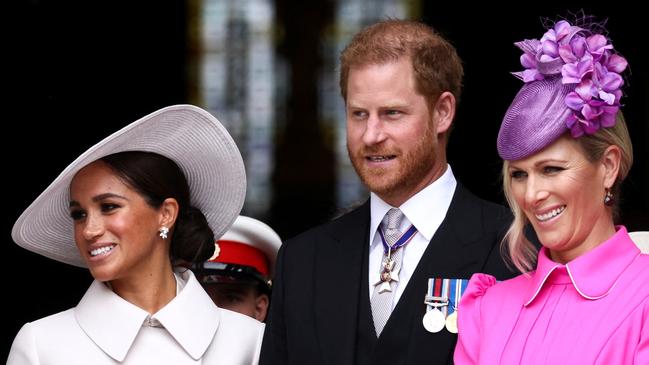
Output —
(338, 279)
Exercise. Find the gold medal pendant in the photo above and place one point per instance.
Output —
(451, 322)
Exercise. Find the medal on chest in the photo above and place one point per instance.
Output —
(391, 263)
(441, 302)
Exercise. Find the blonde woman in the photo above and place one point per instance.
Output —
(584, 298)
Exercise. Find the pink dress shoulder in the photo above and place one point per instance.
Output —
(593, 310)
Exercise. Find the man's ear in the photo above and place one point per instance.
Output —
(261, 307)
(444, 112)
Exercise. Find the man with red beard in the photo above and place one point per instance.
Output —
(380, 284)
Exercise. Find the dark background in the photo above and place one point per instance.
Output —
(77, 71)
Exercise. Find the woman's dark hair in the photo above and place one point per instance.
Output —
(157, 178)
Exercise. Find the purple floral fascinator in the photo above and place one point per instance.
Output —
(572, 82)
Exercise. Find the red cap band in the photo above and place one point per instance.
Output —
(238, 253)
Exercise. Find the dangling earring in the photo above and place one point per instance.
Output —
(163, 232)
(608, 198)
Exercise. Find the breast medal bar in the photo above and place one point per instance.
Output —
(441, 301)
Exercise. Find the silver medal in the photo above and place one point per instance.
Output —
(434, 320)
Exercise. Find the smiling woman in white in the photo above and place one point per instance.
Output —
(130, 209)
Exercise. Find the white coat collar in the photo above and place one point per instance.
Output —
(113, 324)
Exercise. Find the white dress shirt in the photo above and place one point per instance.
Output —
(106, 329)
(425, 210)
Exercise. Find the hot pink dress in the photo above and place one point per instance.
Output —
(593, 310)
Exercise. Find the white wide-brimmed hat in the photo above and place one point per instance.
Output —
(190, 136)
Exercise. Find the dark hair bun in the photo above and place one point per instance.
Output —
(193, 239)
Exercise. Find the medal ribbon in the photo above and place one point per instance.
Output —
(437, 288)
(429, 293)
(437, 291)
(452, 289)
(457, 286)
(405, 238)
(446, 287)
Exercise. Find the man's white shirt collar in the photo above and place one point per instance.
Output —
(425, 210)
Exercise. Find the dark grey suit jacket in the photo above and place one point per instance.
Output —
(314, 307)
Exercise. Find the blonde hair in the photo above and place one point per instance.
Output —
(520, 252)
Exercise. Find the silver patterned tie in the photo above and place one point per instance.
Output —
(381, 300)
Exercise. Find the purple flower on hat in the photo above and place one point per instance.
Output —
(552, 39)
(584, 60)
(573, 73)
(597, 45)
(615, 63)
(573, 51)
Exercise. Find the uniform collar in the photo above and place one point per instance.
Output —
(113, 324)
(417, 209)
(593, 274)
